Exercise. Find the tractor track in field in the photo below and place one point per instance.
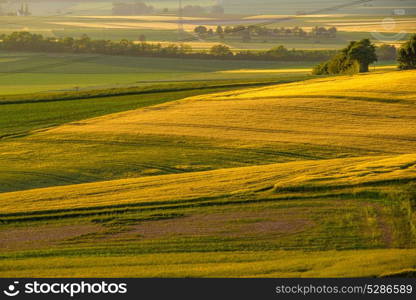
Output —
(183, 146)
(345, 112)
(66, 179)
(268, 130)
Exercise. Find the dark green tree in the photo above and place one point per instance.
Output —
(201, 30)
(356, 57)
(221, 50)
(26, 41)
(407, 54)
(364, 52)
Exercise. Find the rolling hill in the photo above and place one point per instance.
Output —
(301, 179)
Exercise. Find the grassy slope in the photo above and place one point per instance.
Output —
(344, 111)
(24, 114)
(284, 178)
(239, 213)
(27, 112)
(279, 124)
(191, 224)
(258, 126)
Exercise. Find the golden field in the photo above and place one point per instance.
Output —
(305, 179)
(350, 111)
(314, 174)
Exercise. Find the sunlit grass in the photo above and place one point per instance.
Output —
(300, 179)
(367, 263)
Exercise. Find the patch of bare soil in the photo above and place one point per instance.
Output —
(223, 224)
(35, 237)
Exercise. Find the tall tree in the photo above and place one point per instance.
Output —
(364, 52)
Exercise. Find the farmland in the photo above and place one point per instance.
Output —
(164, 29)
(95, 19)
(162, 190)
(36, 72)
(122, 156)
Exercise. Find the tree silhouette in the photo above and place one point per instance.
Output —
(364, 52)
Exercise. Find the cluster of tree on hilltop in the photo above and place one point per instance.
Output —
(407, 54)
(131, 9)
(25, 41)
(358, 55)
(247, 32)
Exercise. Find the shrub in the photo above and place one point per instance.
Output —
(221, 50)
(356, 57)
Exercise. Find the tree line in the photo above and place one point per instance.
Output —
(26, 41)
(247, 32)
(354, 58)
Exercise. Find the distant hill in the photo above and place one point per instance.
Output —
(250, 7)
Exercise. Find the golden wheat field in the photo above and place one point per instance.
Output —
(303, 179)
(369, 112)
(312, 174)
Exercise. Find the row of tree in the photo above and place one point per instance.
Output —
(358, 55)
(265, 32)
(354, 58)
(25, 41)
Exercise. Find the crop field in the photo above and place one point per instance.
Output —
(83, 18)
(285, 176)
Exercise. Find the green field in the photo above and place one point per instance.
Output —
(36, 72)
(304, 178)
